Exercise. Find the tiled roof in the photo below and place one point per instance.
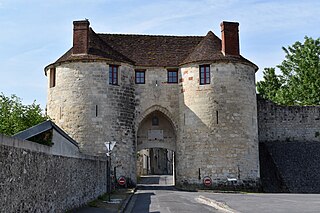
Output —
(207, 50)
(149, 50)
(98, 49)
(153, 50)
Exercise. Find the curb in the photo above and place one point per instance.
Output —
(125, 204)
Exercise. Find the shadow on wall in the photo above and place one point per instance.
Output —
(271, 179)
(297, 164)
(289, 147)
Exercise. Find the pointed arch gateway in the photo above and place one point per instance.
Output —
(156, 129)
(156, 141)
(159, 108)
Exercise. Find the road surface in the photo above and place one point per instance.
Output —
(157, 194)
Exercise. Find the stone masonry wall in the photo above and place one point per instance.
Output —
(169, 136)
(218, 134)
(297, 164)
(32, 180)
(288, 123)
(155, 93)
(92, 111)
(291, 136)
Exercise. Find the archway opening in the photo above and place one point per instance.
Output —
(155, 161)
(156, 144)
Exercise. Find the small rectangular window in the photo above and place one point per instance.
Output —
(113, 74)
(52, 77)
(155, 121)
(172, 75)
(204, 71)
(140, 76)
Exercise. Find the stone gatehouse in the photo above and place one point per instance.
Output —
(192, 95)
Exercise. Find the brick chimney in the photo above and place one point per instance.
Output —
(230, 38)
(81, 37)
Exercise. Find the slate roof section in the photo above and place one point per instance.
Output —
(153, 50)
(40, 128)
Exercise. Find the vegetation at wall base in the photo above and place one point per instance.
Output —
(299, 80)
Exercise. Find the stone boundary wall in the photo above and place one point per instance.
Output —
(33, 180)
(297, 165)
(270, 174)
(287, 123)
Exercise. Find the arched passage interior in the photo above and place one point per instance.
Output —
(156, 144)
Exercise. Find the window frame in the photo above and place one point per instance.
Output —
(170, 79)
(139, 77)
(206, 74)
(52, 77)
(113, 74)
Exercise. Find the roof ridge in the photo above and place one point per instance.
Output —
(124, 34)
(206, 49)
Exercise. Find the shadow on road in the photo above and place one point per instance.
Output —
(144, 203)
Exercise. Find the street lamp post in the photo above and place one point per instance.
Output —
(109, 145)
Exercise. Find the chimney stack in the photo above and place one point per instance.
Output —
(230, 38)
(81, 37)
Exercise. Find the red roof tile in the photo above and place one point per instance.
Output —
(153, 50)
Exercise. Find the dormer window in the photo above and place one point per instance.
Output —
(204, 71)
(113, 74)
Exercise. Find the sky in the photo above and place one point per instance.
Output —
(35, 33)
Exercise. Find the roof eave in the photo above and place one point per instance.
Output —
(240, 60)
(55, 64)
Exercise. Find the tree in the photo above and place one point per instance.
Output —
(16, 117)
(299, 80)
(271, 84)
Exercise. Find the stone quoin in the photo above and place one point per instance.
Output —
(192, 95)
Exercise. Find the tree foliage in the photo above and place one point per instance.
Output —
(299, 80)
(16, 117)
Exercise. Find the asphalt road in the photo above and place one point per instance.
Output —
(157, 194)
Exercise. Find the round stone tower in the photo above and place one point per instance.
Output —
(200, 84)
(91, 96)
(218, 135)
